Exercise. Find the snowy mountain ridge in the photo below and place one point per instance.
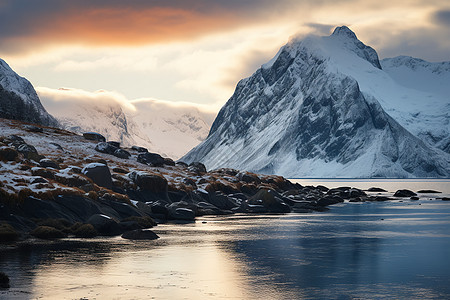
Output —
(19, 99)
(323, 107)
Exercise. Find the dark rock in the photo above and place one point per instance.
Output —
(4, 281)
(33, 128)
(46, 173)
(120, 170)
(144, 221)
(222, 201)
(329, 200)
(16, 139)
(8, 154)
(358, 199)
(428, 192)
(182, 164)
(39, 180)
(93, 136)
(181, 213)
(139, 149)
(8, 233)
(99, 173)
(169, 161)
(57, 146)
(271, 200)
(84, 230)
(104, 225)
(197, 167)
(248, 177)
(404, 193)
(140, 234)
(48, 163)
(120, 153)
(149, 182)
(322, 188)
(151, 159)
(87, 187)
(114, 144)
(189, 181)
(375, 189)
(160, 207)
(47, 232)
(29, 152)
(75, 169)
(73, 180)
(414, 198)
(129, 225)
(104, 147)
(445, 199)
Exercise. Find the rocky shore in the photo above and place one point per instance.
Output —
(55, 184)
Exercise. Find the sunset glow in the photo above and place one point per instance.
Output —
(195, 51)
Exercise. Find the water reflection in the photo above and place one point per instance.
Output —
(360, 250)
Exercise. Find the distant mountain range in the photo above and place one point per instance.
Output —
(327, 107)
(162, 127)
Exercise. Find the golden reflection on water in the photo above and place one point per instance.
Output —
(176, 270)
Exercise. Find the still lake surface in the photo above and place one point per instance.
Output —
(371, 250)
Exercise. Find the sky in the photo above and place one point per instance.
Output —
(196, 51)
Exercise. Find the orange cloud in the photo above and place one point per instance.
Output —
(112, 26)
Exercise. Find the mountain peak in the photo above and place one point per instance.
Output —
(344, 31)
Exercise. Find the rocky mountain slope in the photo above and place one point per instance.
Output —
(18, 99)
(324, 107)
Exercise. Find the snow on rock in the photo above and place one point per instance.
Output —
(323, 107)
(18, 99)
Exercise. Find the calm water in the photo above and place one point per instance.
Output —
(355, 250)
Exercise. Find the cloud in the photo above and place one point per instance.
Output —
(99, 23)
(442, 17)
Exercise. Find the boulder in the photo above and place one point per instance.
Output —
(120, 153)
(139, 149)
(48, 163)
(404, 193)
(197, 167)
(99, 173)
(248, 177)
(33, 128)
(46, 173)
(149, 182)
(428, 192)
(168, 161)
(271, 200)
(181, 213)
(29, 152)
(140, 234)
(375, 189)
(329, 200)
(151, 159)
(84, 230)
(160, 207)
(104, 147)
(57, 146)
(182, 164)
(7, 233)
(222, 201)
(114, 144)
(47, 232)
(8, 153)
(104, 225)
(4, 281)
(94, 136)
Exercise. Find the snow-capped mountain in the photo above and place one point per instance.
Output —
(174, 129)
(323, 107)
(160, 126)
(18, 99)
